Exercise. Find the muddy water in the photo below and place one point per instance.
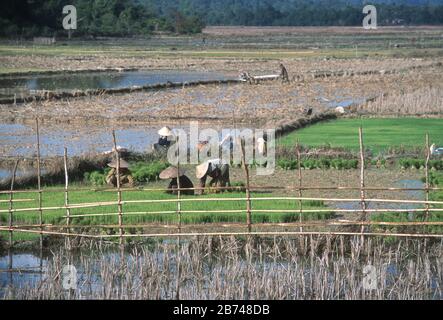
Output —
(29, 269)
(409, 194)
(21, 270)
(27, 85)
(20, 140)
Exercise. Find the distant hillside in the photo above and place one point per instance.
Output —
(302, 12)
(27, 18)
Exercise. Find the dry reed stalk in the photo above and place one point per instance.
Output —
(284, 274)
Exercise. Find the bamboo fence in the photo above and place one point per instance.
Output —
(181, 229)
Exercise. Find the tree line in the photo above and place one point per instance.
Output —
(28, 18)
(304, 12)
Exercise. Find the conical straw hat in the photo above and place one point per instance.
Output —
(171, 173)
(201, 170)
(165, 132)
(123, 164)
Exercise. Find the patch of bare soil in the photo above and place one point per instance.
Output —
(267, 102)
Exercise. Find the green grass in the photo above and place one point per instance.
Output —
(379, 133)
(53, 199)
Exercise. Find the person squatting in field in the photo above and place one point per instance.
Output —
(126, 179)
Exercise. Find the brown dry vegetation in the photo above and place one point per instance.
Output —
(408, 101)
(230, 268)
(399, 86)
(269, 102)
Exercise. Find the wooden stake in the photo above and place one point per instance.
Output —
(68, 210)
(300, 194)
(119, 192)
(39, 186)
(178, 186)
(248, 190)
(362, 177)
(11, 197)
(428, 157)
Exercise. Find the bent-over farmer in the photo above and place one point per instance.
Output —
(216, 169)
(284, 73)
(126, 179)
(185, 183)
(164, 141)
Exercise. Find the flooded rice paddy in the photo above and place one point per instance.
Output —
(228, 268)
(27, 85)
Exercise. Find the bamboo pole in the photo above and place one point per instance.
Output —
(119, 192)
(39, 189)
(428, 157)
(289, 188)
(282, 211)
(112, 203)
(248, 190)
(16, 200)
(362, 177)
(68, 210)
(178, 190)
(300, 182)
(11, 203)
(258, 233)
(240, 225)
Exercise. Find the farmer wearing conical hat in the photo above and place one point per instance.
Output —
(216, 169)
(126, 179)
(185, 183)
(164, 141)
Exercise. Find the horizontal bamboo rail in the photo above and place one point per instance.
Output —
(172, 225)
(129, 213)
(16, 200)
(238, 188)
(247, 213)
(112, 203)
(209, 234)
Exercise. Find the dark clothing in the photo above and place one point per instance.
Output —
(219, 175)
(162, 145)
(284, 73)
(185, 183)
(163, 141)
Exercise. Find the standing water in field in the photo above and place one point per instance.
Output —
(408, 194)
(27, 85)
(321, 267)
